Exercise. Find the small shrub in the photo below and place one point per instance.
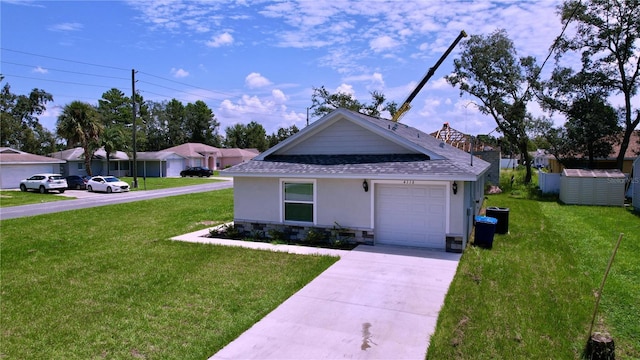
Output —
(277, 235)
(314, 236)
(225, 231)
(257, 235)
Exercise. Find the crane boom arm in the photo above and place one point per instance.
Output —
(407, 103)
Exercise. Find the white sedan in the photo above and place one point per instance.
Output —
(107, 184)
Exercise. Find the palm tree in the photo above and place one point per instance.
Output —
(112, 140)
(80, 124)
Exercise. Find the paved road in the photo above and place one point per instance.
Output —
(87, 200)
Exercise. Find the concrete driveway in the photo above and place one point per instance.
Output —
(376, 302)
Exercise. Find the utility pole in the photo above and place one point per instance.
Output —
(133, 111)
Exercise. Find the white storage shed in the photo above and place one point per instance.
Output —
(592, 187)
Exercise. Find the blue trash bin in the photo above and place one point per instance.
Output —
(485, 230)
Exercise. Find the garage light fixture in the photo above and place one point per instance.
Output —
(454, 187)
(365, 185)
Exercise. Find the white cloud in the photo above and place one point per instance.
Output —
(179, 73)
(40, 70)
(66, 27)
(279, 96)
(220, 40)
(272, 115)
(382, 43)
(255, 80)
(440, 83)
(346, 89)
(372, 80)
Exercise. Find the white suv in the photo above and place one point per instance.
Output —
(44, 183)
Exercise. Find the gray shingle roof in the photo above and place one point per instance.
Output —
(455, 163)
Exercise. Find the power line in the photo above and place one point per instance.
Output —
(182, 91)
(65, 71)
(67, 60)
(59, 81)
(121, 78)
(185, 84)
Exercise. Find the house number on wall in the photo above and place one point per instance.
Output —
(408, 182)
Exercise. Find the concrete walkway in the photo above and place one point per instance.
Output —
(376, 302)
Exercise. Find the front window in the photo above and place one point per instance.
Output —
(298, 201)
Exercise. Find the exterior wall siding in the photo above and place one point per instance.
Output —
(345, 137)
(343, 202)
(342, 207)
(493, 174)
(256, 199)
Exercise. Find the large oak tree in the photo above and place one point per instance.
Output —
(607, 38)
(490, 70)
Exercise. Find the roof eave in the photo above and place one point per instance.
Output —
(429, 177)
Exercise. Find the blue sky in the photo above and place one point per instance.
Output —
(259, 60)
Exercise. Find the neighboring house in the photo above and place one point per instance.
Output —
(466, 143)
(17, 165)
(541, 158)
(159, 164)
(118, 164)
(606, 163)
(382, 182)
(230, 157)
(196, 154)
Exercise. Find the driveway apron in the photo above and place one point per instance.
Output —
(376, 302)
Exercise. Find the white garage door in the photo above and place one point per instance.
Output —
(10, 175)
(410, 215)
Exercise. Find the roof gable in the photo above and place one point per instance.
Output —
(345, 132)
(194, 150)
(12, 156)
(410, 153)
(344, 136)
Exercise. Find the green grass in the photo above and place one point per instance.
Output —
(532, 295)
(15, 198)
(106, 282)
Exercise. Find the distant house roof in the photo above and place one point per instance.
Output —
(77, 154)
(157, 155)
(12, 156)
(235, 152)
(458, 139)
(194, 150)
(633, 151)
(431, 158)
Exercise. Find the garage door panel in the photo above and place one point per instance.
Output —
(412, 215)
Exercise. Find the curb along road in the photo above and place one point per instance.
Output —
(99, 199)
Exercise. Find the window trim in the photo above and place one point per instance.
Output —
(314, 202)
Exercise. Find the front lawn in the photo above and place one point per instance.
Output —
(532, 295)
(17, 197)
(106, 282)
